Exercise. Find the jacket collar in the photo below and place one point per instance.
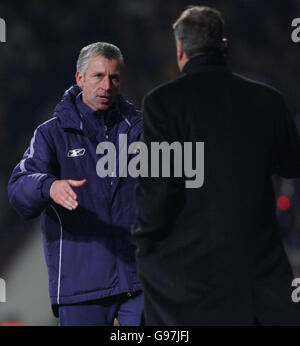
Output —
(205, 62)
(70, 116)
(66, 110)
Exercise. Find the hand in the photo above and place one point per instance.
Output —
(62, 193)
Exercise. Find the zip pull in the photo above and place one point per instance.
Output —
(106, 135)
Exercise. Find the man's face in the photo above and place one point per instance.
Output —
(101, 82)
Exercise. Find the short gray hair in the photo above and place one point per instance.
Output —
(107, 50)
(200, 30)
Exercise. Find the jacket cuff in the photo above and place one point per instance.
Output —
(46, 188)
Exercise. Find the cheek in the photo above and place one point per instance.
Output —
(89, 93)
(116, 88)
(90, 88)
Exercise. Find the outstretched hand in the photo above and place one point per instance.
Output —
(62, 193)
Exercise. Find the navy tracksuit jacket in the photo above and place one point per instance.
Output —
(89, 251)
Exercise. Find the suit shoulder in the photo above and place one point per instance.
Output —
(164, 90)
(261, 88)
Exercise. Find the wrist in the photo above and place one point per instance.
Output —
(46, 188)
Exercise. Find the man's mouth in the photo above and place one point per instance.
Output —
(103, 98)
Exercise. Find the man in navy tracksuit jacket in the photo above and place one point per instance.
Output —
(85, 219)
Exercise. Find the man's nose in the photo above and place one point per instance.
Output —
(106, 83)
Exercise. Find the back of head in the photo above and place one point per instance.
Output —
(200, 30)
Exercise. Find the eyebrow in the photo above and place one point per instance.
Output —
(102, 74)
(115, 75)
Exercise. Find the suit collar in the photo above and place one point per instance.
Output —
(205, 62)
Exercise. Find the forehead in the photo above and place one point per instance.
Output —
(101, 64)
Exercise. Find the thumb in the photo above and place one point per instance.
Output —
(76, 182)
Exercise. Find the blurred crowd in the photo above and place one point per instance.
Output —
(43, 42)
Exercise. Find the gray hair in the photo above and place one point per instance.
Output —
(200, 30)
(107, 50)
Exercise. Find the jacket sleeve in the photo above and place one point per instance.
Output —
(29, 184)
(157, 198)
(287, 142)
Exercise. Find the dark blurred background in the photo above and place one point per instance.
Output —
(38, 65)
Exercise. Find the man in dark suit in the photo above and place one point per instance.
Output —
(213, 255)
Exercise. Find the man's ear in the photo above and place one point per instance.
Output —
(179, 50)
(224, 46)
(79, 79)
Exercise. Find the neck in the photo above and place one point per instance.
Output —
(182, 62)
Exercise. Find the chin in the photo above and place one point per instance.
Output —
(103, 108)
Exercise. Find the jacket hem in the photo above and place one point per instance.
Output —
(93, 295)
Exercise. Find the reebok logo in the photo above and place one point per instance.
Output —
(76, 152)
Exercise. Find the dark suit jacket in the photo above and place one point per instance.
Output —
(214, 255)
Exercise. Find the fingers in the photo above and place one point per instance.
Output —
(66, 204)
(67, 201)
(70, 192)
(76, 183)
(62, 193)
(69, 196)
